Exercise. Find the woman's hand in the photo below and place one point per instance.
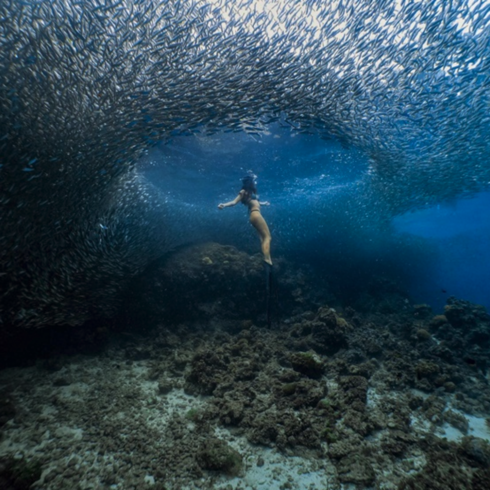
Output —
(221, 206)
(265, 203)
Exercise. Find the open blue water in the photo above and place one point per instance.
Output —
(460, 234)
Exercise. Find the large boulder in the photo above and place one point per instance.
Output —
(209, 281)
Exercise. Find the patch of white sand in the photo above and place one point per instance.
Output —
(477, 428)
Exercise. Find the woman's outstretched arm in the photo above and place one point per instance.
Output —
(231, 203)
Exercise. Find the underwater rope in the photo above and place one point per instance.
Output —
(268, 291)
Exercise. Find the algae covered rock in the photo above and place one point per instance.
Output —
(422, 334)
(422, 311)
(395, 442)
(426, 369)
(476, 449)
(304, 393)
(438, 321)
(464, 330)
(329, 331)
(326, 333)
(307, 363)
(203, 280)
(463, 314)
(353, 389)
(207, 370)
(216, 455)
(355, 469)
(206, 281)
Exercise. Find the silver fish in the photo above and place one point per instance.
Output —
(87, 86)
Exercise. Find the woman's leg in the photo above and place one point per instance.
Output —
(260, 225)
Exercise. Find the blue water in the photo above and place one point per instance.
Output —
(319, 215)
(460, 234)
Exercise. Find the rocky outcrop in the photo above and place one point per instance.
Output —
(210, 281)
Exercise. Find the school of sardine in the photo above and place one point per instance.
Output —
(87, 86)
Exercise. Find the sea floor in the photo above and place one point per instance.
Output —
(325, 400)
(76, 422)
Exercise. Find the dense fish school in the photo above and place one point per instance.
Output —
(87, 86)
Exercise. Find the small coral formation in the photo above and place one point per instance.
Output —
(307, 363)
(426, 369)
(422, 311)
(422, 334)
(326, 333)
(355, 470)
(208, 369)
(216, 455)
